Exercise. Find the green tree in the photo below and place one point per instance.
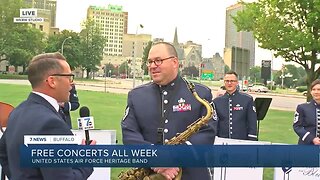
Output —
(109, 69)
(226, 69)
(190, 71)
(255, 74)
(71, 48)
(92, 44)
(124, 68)
(146, 50)
(290, 28)
(18, 41)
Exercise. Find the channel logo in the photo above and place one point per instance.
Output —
(28, 16)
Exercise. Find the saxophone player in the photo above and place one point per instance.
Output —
(158, 110)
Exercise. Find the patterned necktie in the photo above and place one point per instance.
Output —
(63, 116)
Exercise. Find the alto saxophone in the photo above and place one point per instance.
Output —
(147, 173)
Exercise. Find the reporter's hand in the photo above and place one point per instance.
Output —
(168, 173)
(93, 142)
(316, 141)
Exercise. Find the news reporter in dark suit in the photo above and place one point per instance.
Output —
(166, 103)
(307, 118)
(72, 105)
(51, 79)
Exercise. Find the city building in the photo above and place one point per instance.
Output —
(46, 9)
(218, 66)
(189, 53)
(113, 22)
(237, 59)
(235, 41)
(134, 44)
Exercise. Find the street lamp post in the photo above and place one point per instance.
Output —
(63, 43)
(134, 57)
(200, 70)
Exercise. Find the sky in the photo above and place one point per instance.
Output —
(201, 21)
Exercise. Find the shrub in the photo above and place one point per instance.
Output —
(274, 87)
(301, 88)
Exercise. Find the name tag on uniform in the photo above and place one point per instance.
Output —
(182, 106)
(238, 108)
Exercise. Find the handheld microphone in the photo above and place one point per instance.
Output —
(85, 122)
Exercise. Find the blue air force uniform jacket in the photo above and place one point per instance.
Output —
(180, 109)
(237, 117)
(72, 105)
(306, 118)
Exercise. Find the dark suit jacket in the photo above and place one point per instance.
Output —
(72, 105)
(35, 116)
(143, 116)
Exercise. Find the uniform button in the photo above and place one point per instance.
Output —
(166, 121)
(172, 84)
(231, 118)
(230, 127)
(166, 140)
(230, 132)
(165, 93)
(230, 109)
(165, 101)
(230, 104)
(165, 130)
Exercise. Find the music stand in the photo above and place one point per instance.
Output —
(262, 105)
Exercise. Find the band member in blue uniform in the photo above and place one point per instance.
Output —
(307, 117)
(236, 111)
(166, 103)
(72, 105)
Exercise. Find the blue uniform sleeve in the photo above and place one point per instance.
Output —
(252, 121)
(215, 117)
(130, 127)
(298, 126)
(73, 103)
(206, 134)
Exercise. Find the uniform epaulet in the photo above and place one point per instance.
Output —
(143, 85)
(201, 85)
(246, 94)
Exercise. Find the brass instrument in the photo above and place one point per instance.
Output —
(147, 173)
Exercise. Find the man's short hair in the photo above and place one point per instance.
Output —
(43, 65)
(170, 48)
(232, 72)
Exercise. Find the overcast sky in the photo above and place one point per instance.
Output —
(201, 21)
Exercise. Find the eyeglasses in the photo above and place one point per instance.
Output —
(230, 81)
(71, 76)
(158, 62)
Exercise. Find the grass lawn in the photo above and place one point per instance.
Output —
(108, 109)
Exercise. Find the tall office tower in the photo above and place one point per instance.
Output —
(45, 5)
(113, 23)
(238, 41)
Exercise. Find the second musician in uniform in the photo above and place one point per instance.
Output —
(236, 112)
